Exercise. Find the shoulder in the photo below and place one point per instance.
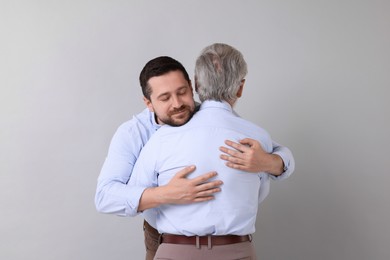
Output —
(139, 123)
(136, 131)
(254, 131)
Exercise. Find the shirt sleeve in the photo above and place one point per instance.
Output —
(113, 195)
(288, 160)
(264, 186)
(144, 171)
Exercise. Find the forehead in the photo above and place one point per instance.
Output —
(169, 82)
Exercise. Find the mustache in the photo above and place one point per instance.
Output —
(180, 109)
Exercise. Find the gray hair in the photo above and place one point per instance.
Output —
(219, 70)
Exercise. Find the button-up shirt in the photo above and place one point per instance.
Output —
(234, 209)
(113, 194)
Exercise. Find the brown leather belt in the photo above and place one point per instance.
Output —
(204, 240)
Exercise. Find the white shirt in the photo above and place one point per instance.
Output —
(234, 209)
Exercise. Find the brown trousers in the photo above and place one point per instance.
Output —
(151, 241)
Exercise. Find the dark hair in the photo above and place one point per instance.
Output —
(157, 67)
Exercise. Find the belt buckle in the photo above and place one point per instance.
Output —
(209, 242)
(209, 245)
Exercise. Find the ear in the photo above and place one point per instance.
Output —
(148, 104)
(241, 88)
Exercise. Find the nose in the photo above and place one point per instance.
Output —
(176, 102)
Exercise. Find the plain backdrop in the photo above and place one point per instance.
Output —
(318, 82)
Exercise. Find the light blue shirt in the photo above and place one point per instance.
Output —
(234, 209)
(113, 194)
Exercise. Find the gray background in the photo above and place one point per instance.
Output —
(318, 82)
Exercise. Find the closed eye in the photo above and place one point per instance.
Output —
(182, 91)
(164, 98)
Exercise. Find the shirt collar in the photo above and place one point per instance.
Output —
(156, 126)
(216, 104)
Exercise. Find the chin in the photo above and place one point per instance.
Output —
(182, 121)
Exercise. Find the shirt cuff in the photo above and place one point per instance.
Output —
(133, 201)
(288, 167)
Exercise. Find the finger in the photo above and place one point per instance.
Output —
(224, 149)
(209, 187)
(248, 142)
(203, 178)
(232, 159)
(184, 172)
(237, 146)
(236, 166)
(231, 152)
(208, 193)
(202, 199)
(224, 157)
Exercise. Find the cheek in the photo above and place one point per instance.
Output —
(190, 101)
(161, 110)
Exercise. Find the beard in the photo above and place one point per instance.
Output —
(178, 117)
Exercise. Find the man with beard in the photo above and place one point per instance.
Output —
(168, 96)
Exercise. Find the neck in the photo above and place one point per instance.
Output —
(232, 102)
(158, 121)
